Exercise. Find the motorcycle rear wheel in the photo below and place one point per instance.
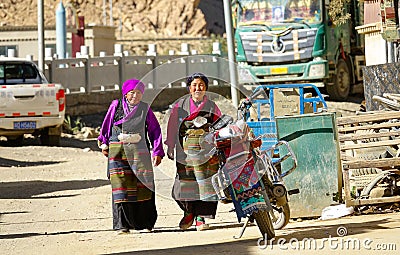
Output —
(264, 224)
(282, 217)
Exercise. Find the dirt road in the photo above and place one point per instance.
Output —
(58, 201)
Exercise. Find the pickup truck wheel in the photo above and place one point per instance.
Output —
(340, 90)
(49, 140)
(15, 140)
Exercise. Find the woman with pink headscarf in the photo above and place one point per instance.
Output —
(130, 137)
(192, 189)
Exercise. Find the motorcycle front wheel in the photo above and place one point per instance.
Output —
(282, 217)
(264, 224)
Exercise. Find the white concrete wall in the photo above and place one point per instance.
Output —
(375, 49)
(375, 45)
(97, 38)
(100, 38)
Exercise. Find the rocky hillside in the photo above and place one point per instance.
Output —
(133, 18)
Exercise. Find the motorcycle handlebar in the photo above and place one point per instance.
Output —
(246, 104)
(221, 122)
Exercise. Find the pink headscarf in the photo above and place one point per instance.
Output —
(131, 85)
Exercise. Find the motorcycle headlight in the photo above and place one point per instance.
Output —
(279, 190)
(317, 70)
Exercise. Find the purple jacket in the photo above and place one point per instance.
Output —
(153, 127)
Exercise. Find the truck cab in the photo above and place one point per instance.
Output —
(287, 41)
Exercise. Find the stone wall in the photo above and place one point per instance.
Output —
(133, 18)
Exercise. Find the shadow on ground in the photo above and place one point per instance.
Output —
(65, 142)
(26, 235)
(78, 143)
(31, 189)
(4, 162)
(316, 233)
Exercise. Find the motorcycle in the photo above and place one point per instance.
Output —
(249, 177)
(281, 212)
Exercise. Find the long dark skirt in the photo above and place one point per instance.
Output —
(199, 208)
(134, 215)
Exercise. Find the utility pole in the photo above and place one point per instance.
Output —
(231, 52)
(40, 34)
(111, 14)
(104, 13)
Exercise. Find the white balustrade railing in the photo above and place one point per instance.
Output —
(87, 74)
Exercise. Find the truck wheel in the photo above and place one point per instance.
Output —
(340, 89)
(49, 140)
(264, 224)
(282, 217)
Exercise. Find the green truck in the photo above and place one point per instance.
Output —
(295, 41)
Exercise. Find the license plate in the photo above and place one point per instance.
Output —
(24, 124)
(279, 70)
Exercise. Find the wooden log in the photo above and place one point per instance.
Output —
(385, 163)
(374, 117)
(368, 127)
(354, 137)
(369, 144)
(370, 201)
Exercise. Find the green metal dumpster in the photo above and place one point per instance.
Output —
(318, 176)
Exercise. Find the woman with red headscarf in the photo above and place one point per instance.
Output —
(129, 131)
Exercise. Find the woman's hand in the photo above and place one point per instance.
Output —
(103, 147)
(156, 160)
(170, 153)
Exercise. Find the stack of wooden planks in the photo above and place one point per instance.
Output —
(369, 149)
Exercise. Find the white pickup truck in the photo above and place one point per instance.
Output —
(29, 104)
